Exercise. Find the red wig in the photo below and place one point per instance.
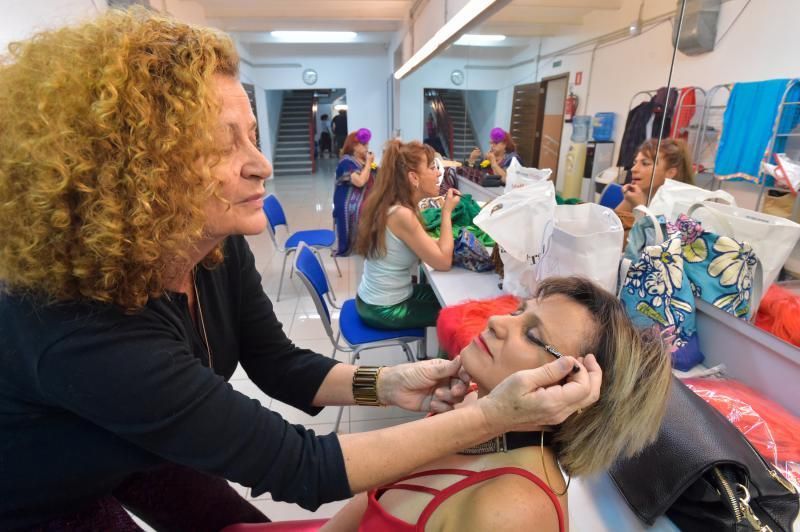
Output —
(459, 324)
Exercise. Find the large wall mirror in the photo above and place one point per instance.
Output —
(582, 87)
(738, 116)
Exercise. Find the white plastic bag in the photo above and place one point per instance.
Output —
(587, 241)
(773, 238)
(674, 198)
(521, 222)
(520, 176)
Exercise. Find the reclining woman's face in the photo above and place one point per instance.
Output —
(512, 342)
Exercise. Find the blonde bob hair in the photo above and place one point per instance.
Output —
(637, 372)
(106, 155)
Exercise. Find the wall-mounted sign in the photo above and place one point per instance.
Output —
(578, 77)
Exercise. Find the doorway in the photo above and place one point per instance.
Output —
(555, 90)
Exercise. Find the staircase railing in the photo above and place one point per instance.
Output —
(312, 133)
(443, 122)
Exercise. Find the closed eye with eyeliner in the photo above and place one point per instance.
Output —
(528, 338)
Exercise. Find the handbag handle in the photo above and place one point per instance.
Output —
(640, 211)
(723, 224)
(756, 291)
(718, 196)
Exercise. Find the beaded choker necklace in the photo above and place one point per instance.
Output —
(510, 441)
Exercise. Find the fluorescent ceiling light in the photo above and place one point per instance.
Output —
(472, 39)
(467, 15)
(314, 36)
(340, 107)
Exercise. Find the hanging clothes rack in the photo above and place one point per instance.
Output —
(777, 144)
(697, 109)
(709, 131)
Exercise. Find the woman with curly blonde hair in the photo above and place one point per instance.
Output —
(128, 296)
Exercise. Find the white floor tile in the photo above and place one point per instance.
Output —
(295, 416)
(281, 511)
(307, 328)
(248, 388)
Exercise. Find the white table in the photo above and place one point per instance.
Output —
(478, 192)
(595, 505)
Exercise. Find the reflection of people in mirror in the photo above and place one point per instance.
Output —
(487, 487)
(502, 151)
(325, 141)
(674, 162)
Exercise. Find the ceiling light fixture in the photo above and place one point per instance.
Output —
(473, 12)
(472, 39)
(314, 36)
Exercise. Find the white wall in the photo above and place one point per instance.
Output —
(22, 18)
(274, 100)
(481, 106)
(362, 71)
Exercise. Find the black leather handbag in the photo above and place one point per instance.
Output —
(704, 474)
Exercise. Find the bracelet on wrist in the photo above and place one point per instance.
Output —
(365, 385)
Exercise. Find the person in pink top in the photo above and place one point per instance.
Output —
(514, 482)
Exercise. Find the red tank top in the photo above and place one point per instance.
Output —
(376, 518)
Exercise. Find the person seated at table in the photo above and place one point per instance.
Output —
(502, 151)
(393, 240)
(354, 179)
(489, 487)
(674, 162)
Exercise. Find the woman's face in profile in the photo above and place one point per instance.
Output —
(242, 169)
(510, 342)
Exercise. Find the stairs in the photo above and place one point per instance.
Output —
(292, 150)
(463, 134)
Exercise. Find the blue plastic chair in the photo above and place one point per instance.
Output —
(612, 196)
(316, 238)
(357, 335)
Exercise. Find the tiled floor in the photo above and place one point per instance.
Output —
(307, 203)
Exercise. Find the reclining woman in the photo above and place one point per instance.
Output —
(393, 240)
(513, 481)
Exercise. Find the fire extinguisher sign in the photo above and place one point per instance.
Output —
(578, 78)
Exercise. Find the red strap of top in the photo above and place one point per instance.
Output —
(479, 476)
(416, 487)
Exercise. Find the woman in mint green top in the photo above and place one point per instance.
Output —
(393, 240)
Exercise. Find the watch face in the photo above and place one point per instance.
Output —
(309, 76)
(457, 77)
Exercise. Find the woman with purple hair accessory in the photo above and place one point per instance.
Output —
(502, 151)
(355, 175)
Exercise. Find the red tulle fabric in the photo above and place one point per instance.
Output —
(459, 324)
(773, 431)
(779, 314)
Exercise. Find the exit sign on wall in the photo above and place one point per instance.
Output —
(557, 64)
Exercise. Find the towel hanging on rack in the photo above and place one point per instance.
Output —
(747, 127)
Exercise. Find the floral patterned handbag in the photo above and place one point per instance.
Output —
(660, 287)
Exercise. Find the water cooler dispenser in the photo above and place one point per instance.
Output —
(576, 157)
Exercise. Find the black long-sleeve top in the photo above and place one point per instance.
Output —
(89, 395)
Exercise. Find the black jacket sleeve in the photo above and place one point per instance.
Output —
(281, 369)
(134, 378)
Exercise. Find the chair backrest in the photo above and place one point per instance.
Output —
(274, 213)
(311, 273)
(612, 196)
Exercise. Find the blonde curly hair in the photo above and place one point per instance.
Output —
(106, 155)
